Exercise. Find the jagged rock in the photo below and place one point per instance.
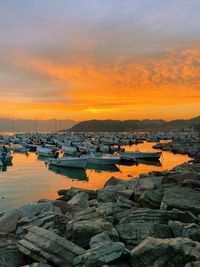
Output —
(179, 178)
(180, 229)
(47, 247)
(151, 199)
(63, 205)
(38, 264)
(111, 193)
(157, 216)
(191, 183)
(193, 264)
(82, 231)
(10, 256)
(47, 220)
(181, 198)
(117, 264)
(110, 208)
(99, 238)
(101, 252)
(8, 221)
(165, 252)
(67, 194)
(80, 199)
(112, 181)
(134, 233)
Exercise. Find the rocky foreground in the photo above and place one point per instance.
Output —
(152, 220)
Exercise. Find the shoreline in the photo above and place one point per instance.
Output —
(156, 214)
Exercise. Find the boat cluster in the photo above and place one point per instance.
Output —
(79, 150)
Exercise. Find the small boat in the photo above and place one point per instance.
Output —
(70, 162)
(19, 148)
(44, 151)
(104, 159)
(140, 155)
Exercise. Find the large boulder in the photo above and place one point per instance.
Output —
(45, 246)
(10, 256)
(181, 198)
(47, 220)
(87, 224)
(80, 200)
(111, 193)
(193, 264)
(102, 251)
(134, 233)
(67, 194)
(165, 252)
(151, 198)
(190, 230)
(9, 220)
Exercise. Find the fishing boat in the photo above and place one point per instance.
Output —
(69, 162)
(104, 159)
(140, 155)
(44, 151)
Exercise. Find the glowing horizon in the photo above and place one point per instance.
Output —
(100, 59)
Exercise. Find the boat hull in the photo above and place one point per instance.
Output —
(69, 162)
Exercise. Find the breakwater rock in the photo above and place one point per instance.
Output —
(151, 220)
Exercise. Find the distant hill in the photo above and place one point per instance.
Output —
(132, 125)
(19, 125)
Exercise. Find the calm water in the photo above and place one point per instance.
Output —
(29, 179)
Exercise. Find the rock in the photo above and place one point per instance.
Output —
(157, 216)
(63, 205)
(191, 183)
(191, 230)
(67, 194)
(179, 178)
(182, 199)
(112, 181)
(111, 193)
(151, 198)
(32, 209)
(101, 252)
(45, 246)
(10, 256)
(193, 264)
(165, 252)
(134, 233)
(80, 199)
(47, 220)
(38, 264)
(110, 208)
(8, 221)
(82, 231)
(117, 264)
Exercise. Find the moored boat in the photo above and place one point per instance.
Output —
(140, 155)
(69, 162)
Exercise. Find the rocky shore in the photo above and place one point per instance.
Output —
(151, 220)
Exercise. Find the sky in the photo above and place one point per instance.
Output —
(99, 59)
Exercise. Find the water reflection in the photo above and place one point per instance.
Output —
(78, 174)
(102, 167)
(148, 162)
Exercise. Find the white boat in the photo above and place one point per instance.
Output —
(44, 151)
(70, 162)
(105, 159)
(19, 148)
(140, 155)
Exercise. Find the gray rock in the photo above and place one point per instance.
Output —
(38, 264)
(157, 216)
(191, 183)
(151, 198)
(134, 233)
(100, 255)
(81, 232)
(67, 194)
(193, 264)
(111, 193)
(10, 256)
(190, 230)
(8, 221)
(48, 220)
(181, 198)
(165, 252)
(80, 199)
(45, 246)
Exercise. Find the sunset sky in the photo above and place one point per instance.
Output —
(103, 59)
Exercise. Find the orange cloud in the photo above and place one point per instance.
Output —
(121, 88)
